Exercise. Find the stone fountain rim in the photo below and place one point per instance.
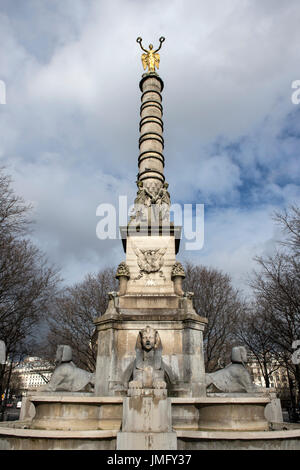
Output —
(238, 435)
(104, 434)
(57, 434)
(61, 398)
(219, 400)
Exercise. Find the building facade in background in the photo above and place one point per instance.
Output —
(277, 374)
(33, 372)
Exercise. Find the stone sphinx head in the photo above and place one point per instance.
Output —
(148, 340)
(63, 354)
(239, 355)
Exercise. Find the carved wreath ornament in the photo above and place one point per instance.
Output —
(150, 261)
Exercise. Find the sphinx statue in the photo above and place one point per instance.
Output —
(148, 367)
(67, 376)
(234, 377)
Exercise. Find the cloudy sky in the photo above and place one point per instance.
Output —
(69, 128)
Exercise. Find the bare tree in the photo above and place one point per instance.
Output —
(289, 221)
(26, 281)
(276, 286)
(253, 331)
(26, 284)
(73, 313)
(277, 289)
(14, 212)
(217, 300)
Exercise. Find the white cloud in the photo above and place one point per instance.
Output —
(233, 237)
(69, 131)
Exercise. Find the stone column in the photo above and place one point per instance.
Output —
(151, 142)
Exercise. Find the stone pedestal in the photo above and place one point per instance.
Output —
(181, 333)
(147, 422)
(158, 282)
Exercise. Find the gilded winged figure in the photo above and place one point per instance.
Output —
(150, 58)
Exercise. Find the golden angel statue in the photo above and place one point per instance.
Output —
(151, 58)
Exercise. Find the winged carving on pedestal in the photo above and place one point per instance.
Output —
(150, 261)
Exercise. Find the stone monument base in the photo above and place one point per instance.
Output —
(147, 421)
(181, 333)
(146, 441)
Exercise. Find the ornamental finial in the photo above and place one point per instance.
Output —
(151, 58)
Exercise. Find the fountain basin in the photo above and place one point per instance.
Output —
(76, 413)
(189, 417)
(220, 413)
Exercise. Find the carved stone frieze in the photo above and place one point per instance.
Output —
(150, 260)
(151, 203)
